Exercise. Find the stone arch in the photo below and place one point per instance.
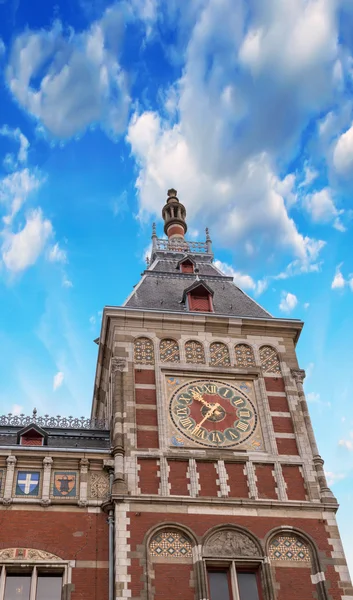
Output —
(244, 356)
(219, 355)
(143, 351)
(269, 360)
(169, 351)
(232, 541)
(194, 352)
(27, 554)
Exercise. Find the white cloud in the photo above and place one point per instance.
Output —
(81, 80)
(2, 47)
(92, 320)
(338, 281)
(333, 477)
(16, 409)
(322, 209)
(21, 250)
(288, 302)
(343, 153)
(245, 282)
(18, 136)
(348, 444)
(16, 188)
(67, 283)
(309, 369)
(58, 380)
(306, 305)
(315, 398)
(56, 254)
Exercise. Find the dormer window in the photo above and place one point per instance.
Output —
(187, 265)
(32, 435)
(198, 297)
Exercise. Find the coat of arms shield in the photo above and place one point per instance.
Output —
(64, 484)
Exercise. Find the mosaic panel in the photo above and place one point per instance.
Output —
(219, 355)
(194, 352)
(65, 484)
(244, 356)
(99, 485)
(170, 544)
(269, 360)
(27, 483)
(143, 351)
(169, 351)
(289, 548)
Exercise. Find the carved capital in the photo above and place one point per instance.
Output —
(298, 375)
(117, 363)
(47, 462)
(82, 503)
(11, 461)
(84, 464)
(230, 543)
(7, 501)
(45, 502)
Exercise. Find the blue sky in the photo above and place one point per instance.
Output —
(246, 109)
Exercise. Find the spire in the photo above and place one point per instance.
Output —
(174, 215)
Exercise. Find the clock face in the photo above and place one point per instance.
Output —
(213, 413)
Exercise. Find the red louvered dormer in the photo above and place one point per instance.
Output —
(199, 298)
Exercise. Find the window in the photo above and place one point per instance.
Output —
(187, 266)
(232, 584)
(32, 438)
(200, 300)
(31, 585)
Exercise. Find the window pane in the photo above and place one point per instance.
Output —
(49, 587)
(247, 583)
(17, 587)
(219, 585)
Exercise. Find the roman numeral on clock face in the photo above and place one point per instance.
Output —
(210, 389)
(242, 426)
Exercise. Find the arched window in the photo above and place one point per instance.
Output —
(219, 355)
(289, 548)
(244, 356)
(143, 351)
(170, 544)
(169, 351)
(269, 360)
(194, 352)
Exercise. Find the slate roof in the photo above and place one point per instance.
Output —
(162, 287)
(61, 438)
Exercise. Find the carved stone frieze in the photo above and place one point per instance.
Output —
(27, 554)
(117, 363)
(230, 543)
(298, 375)
(99, 485)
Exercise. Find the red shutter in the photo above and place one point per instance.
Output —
(200, 303)
(187, 267)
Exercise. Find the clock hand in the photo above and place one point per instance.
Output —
(198, 396)
(207, 416)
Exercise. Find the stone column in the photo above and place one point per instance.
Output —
(281, 484)
(250, 473)
(47, 464)
(117, 366)
(194, 480)
(10, 472)
(84, 466)
(326, 494)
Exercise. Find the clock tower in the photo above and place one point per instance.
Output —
(219, 491)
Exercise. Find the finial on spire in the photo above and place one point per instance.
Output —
(147, 260)
(34, 416)
(154, 237)
(208, 241)
(174, 215)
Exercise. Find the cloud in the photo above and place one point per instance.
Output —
(343, 153)
(315, 398)
(70, 80)
(338, 281)
(333, 477)
(322, 209)
(16, 409)
(288, 302)
(2, 48)
(348, 444)
(16, 188)
(18, 136)
(21, 250)
(58, 380)
(245, 282)
(56, 254)
(67, 283)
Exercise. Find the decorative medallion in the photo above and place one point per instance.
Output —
(289, 548)
(169, 351)
(244, 356)
(27, 483)
(219, 355)
(99, 485)
(212, 413)
(230, 543)
(143, 351)
(64, 484)
(194, 352)
(269, 360)
(170, 544)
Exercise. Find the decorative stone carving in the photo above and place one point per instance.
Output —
(194, 352)
(99, 485)
(143, 351)
(244, 356)
(117, 363)
(30, 554)
(219, 355)
(47, 463)
(298, 375)
(230, 543)
(169, 351)
(84, 464)
(269, 360)
(45, 502)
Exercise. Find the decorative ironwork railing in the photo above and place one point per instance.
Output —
(54, 422)
(181, 246)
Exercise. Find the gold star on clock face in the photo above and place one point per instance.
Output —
(213, 413)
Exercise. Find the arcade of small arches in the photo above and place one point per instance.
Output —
(220, 354)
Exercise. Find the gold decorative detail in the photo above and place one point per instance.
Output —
(27, 554)
(99, 485)
(230, 543)
(170, 544)
(289, 548)
(244, 356)
(194, 352)
(269, 360)
(219, 355)
(143, 351)
(169, 351)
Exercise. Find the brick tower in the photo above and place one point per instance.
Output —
(219, 491)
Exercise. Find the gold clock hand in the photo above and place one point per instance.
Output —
(207, 416)
(198, 396)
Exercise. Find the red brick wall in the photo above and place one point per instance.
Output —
(178, 478)
(266, 484)
(294, 583)
(207, 478)
(147, 439)
(278, 403)
(144, 417)
(145, 376)
(287, 446)
(294, 481)
(282, 424)
(173, 581)
(79, 536)
(237, 480)
(148, 475)
(274, 384)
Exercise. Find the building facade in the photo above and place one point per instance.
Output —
(197, 477)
